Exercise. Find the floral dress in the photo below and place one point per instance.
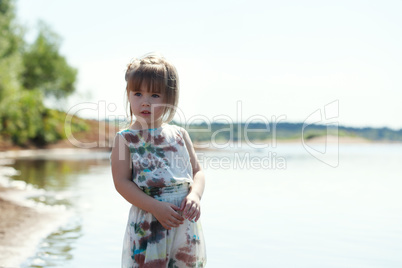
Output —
(161, 168)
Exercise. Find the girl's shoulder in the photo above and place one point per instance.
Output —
(166, 130)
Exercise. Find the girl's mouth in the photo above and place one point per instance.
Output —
(145, 112)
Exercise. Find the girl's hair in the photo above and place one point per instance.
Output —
(159, 76)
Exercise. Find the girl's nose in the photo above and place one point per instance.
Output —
(145, 101)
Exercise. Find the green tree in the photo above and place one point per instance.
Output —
(45, 69)
(28, 73)
(11, 42)
(21, 116)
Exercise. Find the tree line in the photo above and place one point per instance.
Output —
(285, 130)
(30, 73)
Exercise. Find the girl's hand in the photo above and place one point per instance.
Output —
(191, 207)
(167, 215)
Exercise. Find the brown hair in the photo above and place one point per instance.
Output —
(159, 76)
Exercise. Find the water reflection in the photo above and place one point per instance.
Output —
(57, 248)
(53, 175)
(57, 180)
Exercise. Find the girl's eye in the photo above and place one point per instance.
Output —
(155, 95)
(137, 94)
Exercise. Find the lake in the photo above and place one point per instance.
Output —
(272, 207)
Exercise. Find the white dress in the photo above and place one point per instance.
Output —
(162, 169)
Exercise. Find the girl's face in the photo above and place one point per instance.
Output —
(147, 107)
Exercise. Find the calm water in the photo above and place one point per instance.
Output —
(260, 209)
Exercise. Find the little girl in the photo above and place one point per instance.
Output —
(155, 168)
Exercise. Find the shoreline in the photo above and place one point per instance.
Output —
(24, 223)
(68, 148)
(47, 152)
(23, 226)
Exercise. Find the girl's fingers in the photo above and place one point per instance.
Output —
(167, 227)
(187, 208)
(171, 224)
(176, 221)
(193, 212)
(175, 207)
(176, 214)
(198, 216)
(183, 203)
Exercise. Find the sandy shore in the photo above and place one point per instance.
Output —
(23, 223)
(14, 225)
(22, 227)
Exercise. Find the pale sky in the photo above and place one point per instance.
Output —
(278, 58)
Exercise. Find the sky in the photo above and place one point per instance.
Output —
(237, 60)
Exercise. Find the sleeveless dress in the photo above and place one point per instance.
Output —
(161, 168)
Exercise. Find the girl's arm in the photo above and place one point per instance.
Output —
(191, 204)
(164, 212)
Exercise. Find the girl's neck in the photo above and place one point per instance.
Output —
(144, 126)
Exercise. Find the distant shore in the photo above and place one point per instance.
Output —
(315, 140)
(67, 147)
